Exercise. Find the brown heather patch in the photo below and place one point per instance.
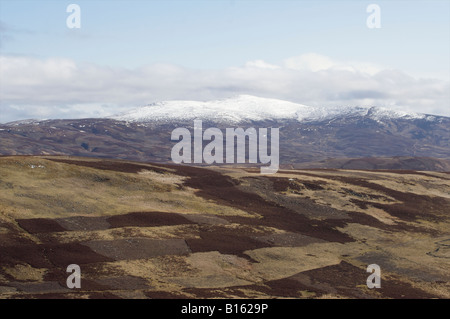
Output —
(412, 207)
(116, 166)
(222, 189)
(40, 225)
(224, 240)
(147, 219)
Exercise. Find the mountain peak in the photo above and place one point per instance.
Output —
(243, 108)
(235, 109)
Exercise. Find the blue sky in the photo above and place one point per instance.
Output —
(228, 43)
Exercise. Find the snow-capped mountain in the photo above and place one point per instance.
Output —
(307, 134)
(245, 108)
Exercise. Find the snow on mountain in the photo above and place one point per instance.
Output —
(24, 122)
(251, 108)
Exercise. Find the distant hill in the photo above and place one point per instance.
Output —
(380, 163)
(351, 136)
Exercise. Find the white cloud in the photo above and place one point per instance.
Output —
(55, 88)
(310, 61)
(261, 64)
(316, 62)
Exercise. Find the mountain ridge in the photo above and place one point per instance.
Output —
(244, 108)
(367, 133)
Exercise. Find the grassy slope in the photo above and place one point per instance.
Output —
(151, 231)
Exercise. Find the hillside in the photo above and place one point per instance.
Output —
(142, 230)
(307, 134)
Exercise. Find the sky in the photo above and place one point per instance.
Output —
(127, 54)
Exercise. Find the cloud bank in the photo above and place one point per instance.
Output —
(62, 88)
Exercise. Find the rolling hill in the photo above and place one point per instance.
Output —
(140, 230)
